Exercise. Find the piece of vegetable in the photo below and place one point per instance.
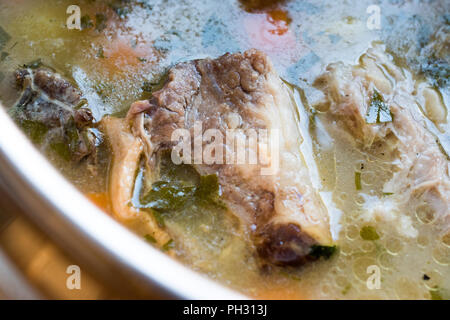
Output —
(150, 238)
(369, 233)
(358, 180)
(438, 293)
(290, 275)
(208, 188)
(33, 64)
(435, 295)
(100, 22)
(148, 87)
(159, 218)
(346, 289)
(168, 196)
(86, 22)
(378, 111)
(180, 187)
(318, 251)
(168, 245)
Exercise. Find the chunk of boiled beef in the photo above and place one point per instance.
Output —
(281, 211)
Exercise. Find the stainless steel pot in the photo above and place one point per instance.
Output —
(110, 251)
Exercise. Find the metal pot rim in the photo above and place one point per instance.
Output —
(68, 217)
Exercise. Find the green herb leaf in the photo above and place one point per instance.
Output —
(438, 293)
(208, 188)
(318, 251)
(290, 275)
(168, 196)
(435, 295)
(346, 289)
(150, 238)
(159, 219)
(378, 111)
(358, 180)
(168, 245)
(152, 86)
(100, 22)
(369, 233)
(147, 86)
(86, 22)
(33, 64)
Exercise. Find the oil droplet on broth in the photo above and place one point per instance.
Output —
(425, 213)
(446, 239)
(386, 260)
(441, 254)
(360, 266)
(407, 289)
(393, 245)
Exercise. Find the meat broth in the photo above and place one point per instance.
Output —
(366, 140)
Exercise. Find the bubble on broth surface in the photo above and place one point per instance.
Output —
(441, 254)
(347, 249)
(352, 232)
(407, 289)
(341, 281)
(393, 245)
(422, 240)
(432, 278)
(425, 213)
(368, 178)
(446, 239)
(341, 264)
(360, 266)
(325, 290)
(352, 217)
(359, 199)
(367, 246)
(386, 260)
(343, 196)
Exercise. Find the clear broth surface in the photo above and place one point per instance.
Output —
(132, 43)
